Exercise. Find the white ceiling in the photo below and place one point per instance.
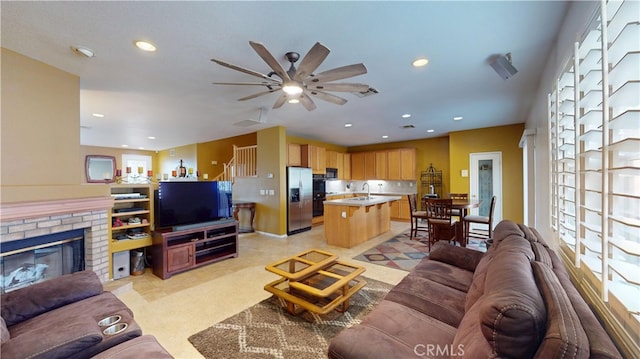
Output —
(169, 94)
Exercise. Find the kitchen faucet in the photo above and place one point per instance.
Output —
(368, 189)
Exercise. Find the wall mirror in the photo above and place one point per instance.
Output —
(100, 169)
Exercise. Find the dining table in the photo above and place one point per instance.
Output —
(464, 205)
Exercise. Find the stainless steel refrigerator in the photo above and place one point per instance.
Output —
(299, 199)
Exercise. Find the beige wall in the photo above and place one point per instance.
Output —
(169, 160)
(221, 152)
(40, 139)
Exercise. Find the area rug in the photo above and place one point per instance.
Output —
(267, 330)
(400, 252)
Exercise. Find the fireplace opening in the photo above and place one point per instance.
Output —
(32, 260)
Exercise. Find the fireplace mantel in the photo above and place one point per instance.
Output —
(25, 210)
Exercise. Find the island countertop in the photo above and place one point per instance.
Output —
(362, 201)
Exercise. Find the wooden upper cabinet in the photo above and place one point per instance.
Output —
(381, 165)
(332, 159)
(293, 155)
(314, 157)
(357, 166)
(408, 164)
(345, 174)
(369, 165)
(394, 171)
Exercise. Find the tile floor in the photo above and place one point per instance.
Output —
(176, 308)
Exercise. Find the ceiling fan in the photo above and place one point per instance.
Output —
(298, 85)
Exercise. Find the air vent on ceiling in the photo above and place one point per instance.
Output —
(247, 123)
(369, 92)
(408, 126)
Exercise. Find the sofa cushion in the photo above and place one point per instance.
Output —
(42, 297)
(505, 229)
(437, 300)
(512, 314)
(541, 254)
(460, 257)
(145, 346)
(445, 274)
(4, 332)
(476, 289)
(392, 330)
(49, 339)
(565, 337)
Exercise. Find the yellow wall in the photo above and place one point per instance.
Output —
(40, 140)
(492, 139)
(169, 160)
(220, 151)
(272, 151)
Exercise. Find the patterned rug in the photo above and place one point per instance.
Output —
(400, 252)
(267, 330)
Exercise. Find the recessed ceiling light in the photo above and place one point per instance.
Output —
(457, 118)
(430, 131)
(141, 148)
(151, 137)
(294, 100)
(420, 62)
(145, 46)
(385, 136)
(348, 125)
(84, 51)
(125, 145)
(406, 115)
(99, 115)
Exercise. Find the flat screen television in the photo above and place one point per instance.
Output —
(189, 203)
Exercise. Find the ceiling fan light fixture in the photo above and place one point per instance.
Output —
(294, 100)
(292, 89)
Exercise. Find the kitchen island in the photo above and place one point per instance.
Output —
(351, 221)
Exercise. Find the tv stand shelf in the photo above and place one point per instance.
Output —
(182, 250)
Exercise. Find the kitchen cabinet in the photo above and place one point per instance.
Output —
(344, 166)
(314, 157)
(369, 165)
(357, 166)
(294, 157)
(381, 165)
(408, 169)
(332, 160)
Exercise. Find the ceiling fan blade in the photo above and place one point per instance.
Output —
(328, 97)
(311, 61)
(270, 60)
(339, 73)
(246, 71)
(280, 101)
(258, 94)
(247, 83)
(307, 102)
(339, 87)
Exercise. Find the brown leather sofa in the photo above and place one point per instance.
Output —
(514, 301)
(58, 318)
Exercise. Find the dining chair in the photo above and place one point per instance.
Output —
(441, 224)
(468, 219)
(454, 211)
(418, 217)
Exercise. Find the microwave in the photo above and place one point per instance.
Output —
(332, 173)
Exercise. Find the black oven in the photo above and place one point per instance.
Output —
(319, 195)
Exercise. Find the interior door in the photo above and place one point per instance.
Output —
(485, 179)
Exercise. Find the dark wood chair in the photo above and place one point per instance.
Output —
(468, 219)
(418, 217)
(442, 227)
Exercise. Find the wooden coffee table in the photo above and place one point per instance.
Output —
(316, 281)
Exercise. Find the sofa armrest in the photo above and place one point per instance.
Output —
(31, 301)
(54, 339)
(460, 257)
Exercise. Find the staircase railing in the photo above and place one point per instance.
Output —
(243, 164)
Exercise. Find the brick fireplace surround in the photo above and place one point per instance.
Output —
(20, 221)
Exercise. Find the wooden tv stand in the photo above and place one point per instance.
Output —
(178, 251)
